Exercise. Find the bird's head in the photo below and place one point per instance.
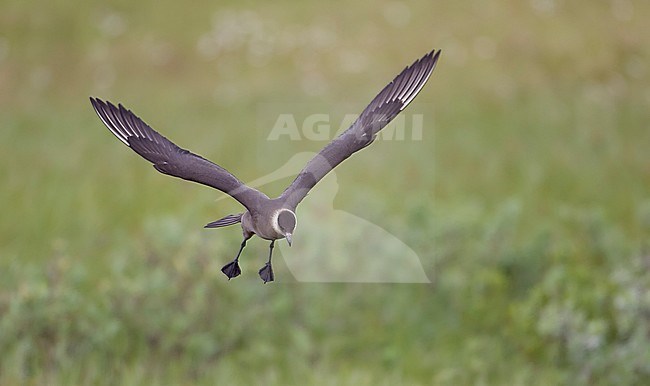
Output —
(284, 223)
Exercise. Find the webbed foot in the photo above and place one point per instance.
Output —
(266, 273)
(231, 269)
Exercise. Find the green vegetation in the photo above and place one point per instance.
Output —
(528, 199)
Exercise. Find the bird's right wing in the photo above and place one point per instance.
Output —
(170, 159)
(382, 109)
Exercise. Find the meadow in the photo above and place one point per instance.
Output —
(527, 199)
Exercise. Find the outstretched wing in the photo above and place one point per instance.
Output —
(168, 158)
(386, 106)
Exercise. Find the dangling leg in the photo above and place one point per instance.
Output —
(266, 273)
(232, 269)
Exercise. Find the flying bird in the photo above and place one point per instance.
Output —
(269, 218)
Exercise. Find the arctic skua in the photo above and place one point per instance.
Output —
(268, 218)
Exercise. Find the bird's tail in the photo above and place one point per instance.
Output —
(224, 222)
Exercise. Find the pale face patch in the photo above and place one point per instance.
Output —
(284, 221)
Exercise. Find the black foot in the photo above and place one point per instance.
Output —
(231, 269)
(266, 273)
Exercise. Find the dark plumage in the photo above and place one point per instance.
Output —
(270, 219)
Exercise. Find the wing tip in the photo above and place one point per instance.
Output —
(96, 103)
(425, 67)
(429, 59)
(435, 57)
(105, 111)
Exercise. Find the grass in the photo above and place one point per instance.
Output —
(527, 198)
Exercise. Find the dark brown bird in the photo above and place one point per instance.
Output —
(270, 219)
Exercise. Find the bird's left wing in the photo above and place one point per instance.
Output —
(384, 107)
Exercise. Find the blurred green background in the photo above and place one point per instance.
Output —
(528, 199)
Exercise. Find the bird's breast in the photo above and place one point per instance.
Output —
(262, 225)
